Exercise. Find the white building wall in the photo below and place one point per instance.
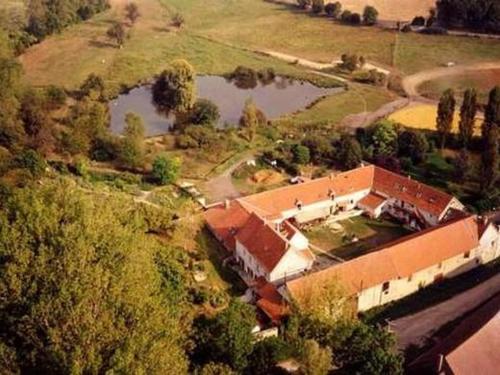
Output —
(400, 288)
(249, 262)
(291, 264)
(322, 209)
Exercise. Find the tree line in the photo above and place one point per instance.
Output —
(480, 15)
(42, 18)
(334, 10)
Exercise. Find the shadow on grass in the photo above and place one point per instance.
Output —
(215, 253)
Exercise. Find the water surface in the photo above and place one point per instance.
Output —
(275, 99)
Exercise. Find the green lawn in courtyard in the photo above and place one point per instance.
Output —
(370, 234)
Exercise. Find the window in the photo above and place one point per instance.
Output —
(467, 255)
(385, 287)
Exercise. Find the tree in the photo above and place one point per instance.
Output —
(132, 12)
(132, 143)
(315, 360)
(333, 9)
(492, 110)
(175, 88)
(369, 350)
(301, 154)
(80, 289)
(350, 152)
(446, 111)
(351, 62)
(266, 354)
(304, 4)
(489, 155)
(384, 138)
(320, 148)
(345, 17)
(204, 112)
(468, 112)
(117, 33)
(318, 6)
(213, 368)
(225, 338)
(355, 19)
(32, 161)
(461, 165)
(177, 20)
(93, 87)
(166, 170)
(249, 120)
(370, 15)
(413, 144)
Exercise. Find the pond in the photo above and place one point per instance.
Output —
(275, 99)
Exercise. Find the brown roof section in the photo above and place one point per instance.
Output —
(271, 204)
(403, 188)
(271, 302)
(400, 258)
(225, 222)
(372, 200)
(265, 244)
(471, 347)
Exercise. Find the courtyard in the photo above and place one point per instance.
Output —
(353, 237)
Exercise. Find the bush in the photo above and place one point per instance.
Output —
(301, 154)
(418, 21)
(166, 170)
(177, 20)
(318, 6)
(204, 112)
(406, 28)
(333, 9)
(32, 161)
(346, 16)
(56, 97)
(370, 15)
(372, 77)
(355, 19)
(81, 166)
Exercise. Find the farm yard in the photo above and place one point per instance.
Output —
(355, 236)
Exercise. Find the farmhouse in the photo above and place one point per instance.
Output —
(262, 232)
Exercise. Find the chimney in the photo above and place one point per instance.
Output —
(227, 204)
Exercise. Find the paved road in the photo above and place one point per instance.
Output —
(415, 329)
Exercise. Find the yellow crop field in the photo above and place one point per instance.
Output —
(423, 116)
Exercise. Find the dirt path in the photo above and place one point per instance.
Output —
(416, 328)
(412, 82)
(317, 65)
(221, 187)
(366, 118)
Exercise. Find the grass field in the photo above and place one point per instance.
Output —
(423, 116)
(219, 35)
(483, 81)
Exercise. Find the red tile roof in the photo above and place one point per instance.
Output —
(271, 302)
(226, 222)
(420, 195)
(399, 259)
(265, 244)
(271, 204)
(372, 200)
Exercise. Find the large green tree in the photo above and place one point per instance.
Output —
(249, 120)
(384, 138)
(226, 337)
(350, 153)
(444, 120)
(490, 133)
(80, 290)
(468, 112)
(132, 143)
(175, 88)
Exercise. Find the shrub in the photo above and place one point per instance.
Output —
(406, 28)
(372, 76)
(166, 170)
(177, 20)
(304, 4)
(333, 9)
(32, 161)
(418, 21)
(204, 112)
(370, 15)
(355, 19)
(56, 97)
(318, 6)
(301, 154)
(346, 16)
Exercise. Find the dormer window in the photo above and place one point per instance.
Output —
(298, 204)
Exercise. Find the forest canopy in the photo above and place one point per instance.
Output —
(481, 15)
